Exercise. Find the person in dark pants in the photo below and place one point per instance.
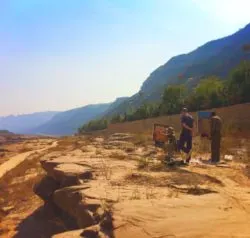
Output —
(186, 136)
(215, 136)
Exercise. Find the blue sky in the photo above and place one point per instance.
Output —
(61, 54)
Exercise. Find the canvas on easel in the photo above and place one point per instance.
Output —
(204, 123)
(159, 134)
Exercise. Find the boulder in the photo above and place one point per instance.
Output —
(120, 144)
(121, 136)
(99, 140)
(91, 204)
(107, 221)
(70, 199)
(84, 217)
(45, 188)
(49, 164)
(70, 234)
(100, 193)
(67, 171)
(89, 232)
(69, 174)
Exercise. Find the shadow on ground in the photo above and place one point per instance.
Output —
(40, 224)
(173, 175)
(193, 190)
(43, 223)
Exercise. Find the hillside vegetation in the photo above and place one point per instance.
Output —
(211, 92)
(217, 57)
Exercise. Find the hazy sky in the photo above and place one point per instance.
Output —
(61, 54)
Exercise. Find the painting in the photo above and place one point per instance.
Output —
(159, 134)
(204, 123)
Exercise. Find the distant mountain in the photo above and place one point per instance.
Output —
(23, 123)
(67, 122)
(114, 105)
(57, 123)
(5, 132)
(216, 57)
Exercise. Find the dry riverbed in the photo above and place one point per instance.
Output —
(123, 176)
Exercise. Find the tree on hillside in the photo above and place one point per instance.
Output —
(239, 84)
(173, 99)
(94, 125)
(154, 109)
(207, 94)
(116, 119)
(211, 92)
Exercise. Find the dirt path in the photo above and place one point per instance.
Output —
(21, 212)
(18, 159)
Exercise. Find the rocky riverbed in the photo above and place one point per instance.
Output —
(119, 187)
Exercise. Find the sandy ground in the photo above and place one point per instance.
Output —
(19, 207)
(14, 161)
(9, 149)
(150, 200)
(224, 213)
(204, 201)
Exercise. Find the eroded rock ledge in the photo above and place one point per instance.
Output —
(67, 188)
(119, 187)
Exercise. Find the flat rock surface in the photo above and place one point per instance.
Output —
(148, 199)
(76, 170)
(70, 234)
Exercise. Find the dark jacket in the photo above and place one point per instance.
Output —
(216, 126)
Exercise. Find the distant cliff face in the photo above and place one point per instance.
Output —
(217, 57)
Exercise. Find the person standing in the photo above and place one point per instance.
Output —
(215, 136)
(186, 136)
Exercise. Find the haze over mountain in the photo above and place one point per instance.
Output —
(57, 55)
(68, 122)
(216, 57)
(23, 123)
(56, 123)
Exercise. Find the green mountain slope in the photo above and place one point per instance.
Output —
(217, 57)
